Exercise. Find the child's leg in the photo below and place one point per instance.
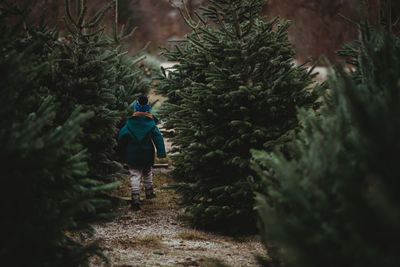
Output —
(135, 187)
(148, 183)
(147, 175)
(135, 180)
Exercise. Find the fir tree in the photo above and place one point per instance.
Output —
(43, 166)
(129, 84)
(127, 78)
(82, 78)
(236, 87)
(92, 72)
(337, 204)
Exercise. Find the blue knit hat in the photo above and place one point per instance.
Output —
(142, 104)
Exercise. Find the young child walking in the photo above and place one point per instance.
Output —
(136, 143)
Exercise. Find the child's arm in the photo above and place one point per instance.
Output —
(159, 142)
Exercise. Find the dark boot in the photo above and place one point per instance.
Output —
(135, 201)
(149, 192)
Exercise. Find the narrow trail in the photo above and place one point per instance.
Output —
(157, 235)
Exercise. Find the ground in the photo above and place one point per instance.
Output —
(159, 235)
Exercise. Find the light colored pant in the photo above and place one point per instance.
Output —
(137, 175)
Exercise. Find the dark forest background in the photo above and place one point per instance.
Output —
(318, 25)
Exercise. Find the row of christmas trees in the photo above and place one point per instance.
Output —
(63, 99)
(246, 121)
(323, 164)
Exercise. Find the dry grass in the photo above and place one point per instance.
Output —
(157, 235)
(165, 197)
(164, 200)
(214, 263)
(148, 241)
(242, 239)
(124, 188)
(166, 160)
(161, 180)
(191, 235)
(204, 262)
(153, 241)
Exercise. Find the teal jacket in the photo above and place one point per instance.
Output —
(137, 139)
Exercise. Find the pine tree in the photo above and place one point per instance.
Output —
(92, 72)
(337, 204)
(236, 87)
(46, 196)
(82, 78)
(129, 84)
(127, 78)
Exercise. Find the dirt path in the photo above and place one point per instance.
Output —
(157, 235)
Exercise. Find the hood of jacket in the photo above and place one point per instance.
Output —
(140, 126)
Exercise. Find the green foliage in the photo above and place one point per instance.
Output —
(236, 87)
(46, 195)
(129, 82)
(83, 76)
(337, 204)
(89, 70)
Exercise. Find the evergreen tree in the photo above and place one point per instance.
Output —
(337, 204)
(43, 166)
(83, 77)
(129, 83)
(90, 70)
(236, 87)
(127, 78)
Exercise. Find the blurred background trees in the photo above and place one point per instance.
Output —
(317, 29)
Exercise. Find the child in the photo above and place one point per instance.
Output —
(136, 142)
